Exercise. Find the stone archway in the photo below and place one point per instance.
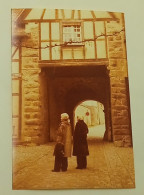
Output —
(67, 86)
(81, 93)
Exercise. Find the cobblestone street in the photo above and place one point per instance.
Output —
(108, 167)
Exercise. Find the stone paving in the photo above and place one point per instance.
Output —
(108, 167)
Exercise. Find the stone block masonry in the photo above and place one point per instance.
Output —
(33, 124)
(119, 106)
(118, 74)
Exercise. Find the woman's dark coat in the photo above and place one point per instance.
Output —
(80, 146)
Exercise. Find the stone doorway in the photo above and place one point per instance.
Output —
(65, 87)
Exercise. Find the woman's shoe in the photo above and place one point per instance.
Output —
(55, 171)
(78, 168)
(64, 170)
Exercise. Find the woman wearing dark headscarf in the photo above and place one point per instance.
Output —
(80, 146)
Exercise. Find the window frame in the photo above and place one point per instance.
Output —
(73, 43)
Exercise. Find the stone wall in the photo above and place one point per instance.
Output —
(118, 76)
(32, 109)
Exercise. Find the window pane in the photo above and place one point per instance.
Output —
(72, 34)
(88, 30)
(15, 86)
(45, 51)
(101, 49)
(55, 31)
(89, 50)
(44, 31)
(56, 51)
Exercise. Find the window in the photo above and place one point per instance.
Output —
(72, 34)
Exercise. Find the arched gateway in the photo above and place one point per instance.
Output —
(60, 58)
(70, 85)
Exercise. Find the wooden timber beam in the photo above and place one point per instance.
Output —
(64, 63)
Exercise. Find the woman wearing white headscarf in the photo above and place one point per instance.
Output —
(65, 134)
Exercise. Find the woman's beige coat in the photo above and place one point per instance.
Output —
(65, 132)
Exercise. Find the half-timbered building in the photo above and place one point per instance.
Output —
(61, 58)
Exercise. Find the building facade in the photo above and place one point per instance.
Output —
(61, 58)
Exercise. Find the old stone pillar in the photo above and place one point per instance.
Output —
(121, 128)
(33, 120)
